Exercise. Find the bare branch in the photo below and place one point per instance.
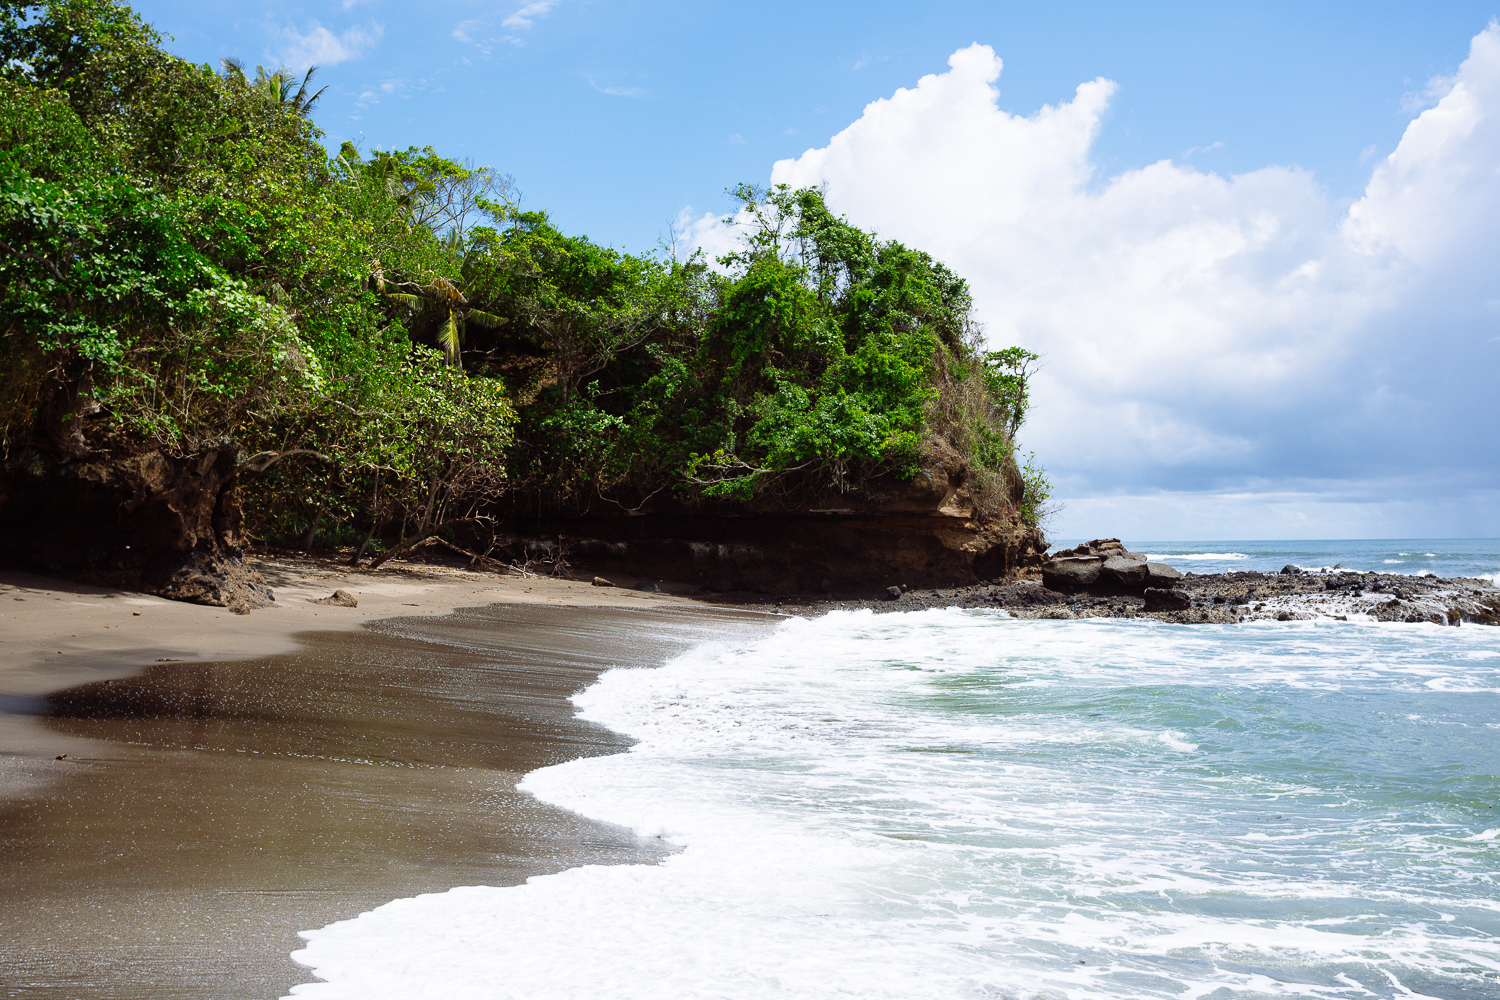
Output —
(263, 460)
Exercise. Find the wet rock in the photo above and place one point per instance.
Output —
(649, 587)
(1290, 570)
(339, 599)
(893, 593)
(1163, 599)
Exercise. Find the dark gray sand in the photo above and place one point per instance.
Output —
(216, 809)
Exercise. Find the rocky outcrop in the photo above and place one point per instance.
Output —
(866, 536)
(114, 511)
(1105, 567)
(131, 514)
(786, 553)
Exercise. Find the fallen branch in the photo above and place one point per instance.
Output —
(475, 559)
(406, 545)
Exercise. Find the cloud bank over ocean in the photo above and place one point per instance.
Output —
(1225, 356)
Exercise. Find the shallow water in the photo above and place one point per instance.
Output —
(1444, 557)
(959, 804)
(215, 809)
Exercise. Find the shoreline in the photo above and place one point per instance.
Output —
(1217, 599)
(272, 773)
(103, 633)
(100, 669)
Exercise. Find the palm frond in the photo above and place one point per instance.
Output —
(410, 301)
(448, 338)
(234, 69)
(446, 290)
(485, 319)
(302, 103)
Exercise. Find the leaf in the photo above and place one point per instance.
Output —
(448, 338)
(485, 319)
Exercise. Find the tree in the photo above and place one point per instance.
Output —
(1007, 375)
(435, 193)
(277, 85)
(443, 296)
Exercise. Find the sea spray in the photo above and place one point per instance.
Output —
(958, 804)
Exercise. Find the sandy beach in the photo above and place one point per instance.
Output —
(183, 789)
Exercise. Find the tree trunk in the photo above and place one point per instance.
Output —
(359, 553)
(312, 531)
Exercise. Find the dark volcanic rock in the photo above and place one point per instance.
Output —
(1070, 573)
(1104, 567)
(856, 551)
(1126, 573)
(1161, 575)
(1160, 599)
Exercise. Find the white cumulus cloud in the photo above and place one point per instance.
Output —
(1208, 337)
(527, 15)
(320, 47)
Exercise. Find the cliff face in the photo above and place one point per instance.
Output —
(785, 553)
(922, 532)
(102, 508)
(108, 510)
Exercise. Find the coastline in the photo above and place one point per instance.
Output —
(57, 634)
(288, 817)
(298, 767)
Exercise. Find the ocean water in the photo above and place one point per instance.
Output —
(958, 804)
(1444, 557)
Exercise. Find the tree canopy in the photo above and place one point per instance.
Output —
(389, 338)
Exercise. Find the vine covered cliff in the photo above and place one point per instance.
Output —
(213, 332)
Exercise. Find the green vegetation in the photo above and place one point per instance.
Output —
(394, 346)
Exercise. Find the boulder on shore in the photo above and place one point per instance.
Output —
(1124, 572)
(1071, 573)
(1105, 566)
(1161, 575)
(1162, 599)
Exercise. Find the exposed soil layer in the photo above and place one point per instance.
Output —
(788, 553)
(99, 508)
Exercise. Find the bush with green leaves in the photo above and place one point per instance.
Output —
(391, 342)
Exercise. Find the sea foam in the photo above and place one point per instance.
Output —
(956, 804)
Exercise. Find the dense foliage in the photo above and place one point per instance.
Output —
(391, 340)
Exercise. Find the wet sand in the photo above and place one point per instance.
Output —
(214, 809)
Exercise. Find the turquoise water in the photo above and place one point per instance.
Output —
(1445, 557)
(954, 803)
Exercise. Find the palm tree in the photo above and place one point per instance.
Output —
(276, 85)
(443, 294)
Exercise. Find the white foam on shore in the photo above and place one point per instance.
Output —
(904, 806)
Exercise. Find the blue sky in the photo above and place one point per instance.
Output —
(1255, 254)
(614, 115)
